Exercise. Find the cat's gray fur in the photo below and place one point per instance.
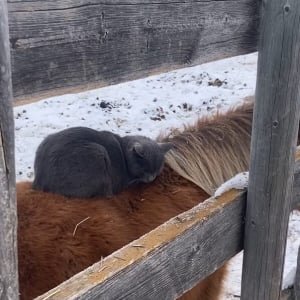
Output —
(82, 162)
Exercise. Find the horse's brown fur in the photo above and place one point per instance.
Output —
(205, 155)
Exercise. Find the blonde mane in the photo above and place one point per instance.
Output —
(214, 149)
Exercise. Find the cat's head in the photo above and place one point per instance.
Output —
(145, 158)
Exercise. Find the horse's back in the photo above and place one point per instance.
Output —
(53, 247)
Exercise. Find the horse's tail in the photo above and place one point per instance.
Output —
(214, 149)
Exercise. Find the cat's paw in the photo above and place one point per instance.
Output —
(238, 182)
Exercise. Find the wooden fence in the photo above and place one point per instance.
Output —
(60, 46)
(274, 132)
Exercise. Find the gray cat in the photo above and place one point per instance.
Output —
(82, 162)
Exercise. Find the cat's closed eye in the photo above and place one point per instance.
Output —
(138, 150)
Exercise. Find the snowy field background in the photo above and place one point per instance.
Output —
(148, 107)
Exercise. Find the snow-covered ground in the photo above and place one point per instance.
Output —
(148, 107)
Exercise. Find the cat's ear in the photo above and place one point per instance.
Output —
(138, 149)
(165, 147)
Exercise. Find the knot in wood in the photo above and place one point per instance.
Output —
(286, 8)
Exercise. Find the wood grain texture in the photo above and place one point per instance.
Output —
(275, 125)
(61, 45)
(8, 212)
(296, 190)
(170, 259)
(297, 279)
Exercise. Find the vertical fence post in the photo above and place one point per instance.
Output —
(297, 278)
(8, 214)
(275, 124)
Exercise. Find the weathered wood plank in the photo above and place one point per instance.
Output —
(297, 279)
(275, 125)
(296, 191)
(66, 44)
(173, 257)
(8, 211)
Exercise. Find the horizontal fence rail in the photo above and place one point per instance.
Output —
(71, 45)
(175, 252)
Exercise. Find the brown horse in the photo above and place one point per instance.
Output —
(205, 155)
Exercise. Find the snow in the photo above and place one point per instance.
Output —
(289, 279)
(233, 282)
(238, 182)
(148, 106)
